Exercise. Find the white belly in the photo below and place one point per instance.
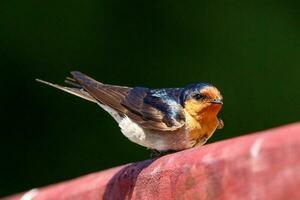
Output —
(132, 130)
(159, 140)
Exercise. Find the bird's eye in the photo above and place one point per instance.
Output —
(198, 96)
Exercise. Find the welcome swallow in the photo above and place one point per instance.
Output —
(160, 119)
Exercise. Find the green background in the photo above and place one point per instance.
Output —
(248, 49)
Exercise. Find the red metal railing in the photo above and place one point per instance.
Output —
(264, 165)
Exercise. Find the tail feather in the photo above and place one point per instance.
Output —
(83, 79)
(72, 82)
(75, 91)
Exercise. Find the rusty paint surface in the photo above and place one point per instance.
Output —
(264, 165)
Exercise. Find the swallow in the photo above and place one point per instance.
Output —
(167, 119)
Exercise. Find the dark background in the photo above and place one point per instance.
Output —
(248, 49)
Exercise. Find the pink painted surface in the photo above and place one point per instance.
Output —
(264, 165)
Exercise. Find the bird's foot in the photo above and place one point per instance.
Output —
(221, 124)
(156, 154)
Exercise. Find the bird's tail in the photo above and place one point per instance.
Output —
(88, 88)
(77, 90)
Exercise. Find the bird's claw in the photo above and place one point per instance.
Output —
(156, 154)
(221, 124)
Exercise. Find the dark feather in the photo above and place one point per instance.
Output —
(157, 109)
(110, 95)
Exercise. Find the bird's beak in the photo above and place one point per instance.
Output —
(217, 101)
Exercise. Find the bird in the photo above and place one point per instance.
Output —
(166, 119)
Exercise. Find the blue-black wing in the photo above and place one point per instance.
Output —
(157, 109)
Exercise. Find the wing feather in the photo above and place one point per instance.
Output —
(152, 109)
(110, 95)
(156, 111)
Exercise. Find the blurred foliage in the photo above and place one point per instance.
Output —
(248, 49)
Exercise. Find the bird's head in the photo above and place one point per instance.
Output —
(201, 98)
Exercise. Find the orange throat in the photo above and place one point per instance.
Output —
(201, 121)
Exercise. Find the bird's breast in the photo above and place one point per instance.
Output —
(200, 128)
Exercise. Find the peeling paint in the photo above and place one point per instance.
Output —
(30, 194)
(257, 162)
(255, 148)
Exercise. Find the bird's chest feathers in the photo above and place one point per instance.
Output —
(201, 122)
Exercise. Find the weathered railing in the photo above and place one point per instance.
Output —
(264, 165)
